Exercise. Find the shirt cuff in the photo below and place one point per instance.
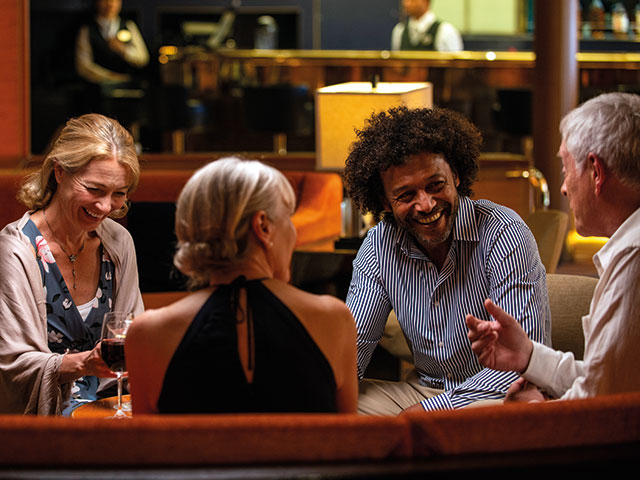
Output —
(537, 371)
(438, 402)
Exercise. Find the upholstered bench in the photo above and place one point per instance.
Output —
(582, 436)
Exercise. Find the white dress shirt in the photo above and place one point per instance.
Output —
(611, 329)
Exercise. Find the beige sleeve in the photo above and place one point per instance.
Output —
(28, 369)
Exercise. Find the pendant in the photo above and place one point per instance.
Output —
(72, 258)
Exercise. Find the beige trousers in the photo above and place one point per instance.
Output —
(381, 397)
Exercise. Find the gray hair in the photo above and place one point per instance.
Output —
(608, 126)
(83, 139)
(214, 212)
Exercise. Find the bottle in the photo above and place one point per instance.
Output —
(596, 19)
(619, 20)
(266, 34)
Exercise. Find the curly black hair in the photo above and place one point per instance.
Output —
(391, 137)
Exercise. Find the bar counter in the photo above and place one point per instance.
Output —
(206, 70)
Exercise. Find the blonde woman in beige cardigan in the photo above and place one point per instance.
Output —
(64, 264)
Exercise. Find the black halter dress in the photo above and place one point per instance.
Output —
(205, 374)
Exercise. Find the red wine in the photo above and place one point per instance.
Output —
(113, 354)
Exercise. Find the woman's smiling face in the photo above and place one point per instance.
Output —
(88, 196)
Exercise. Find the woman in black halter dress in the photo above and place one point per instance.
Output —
(245, 340)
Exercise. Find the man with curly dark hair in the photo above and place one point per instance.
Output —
(434, 257)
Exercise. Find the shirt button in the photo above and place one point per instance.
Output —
(436, 303)
(441, 343)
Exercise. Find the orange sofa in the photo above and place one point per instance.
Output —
(317, 217)
(150, 221)
(583, 436)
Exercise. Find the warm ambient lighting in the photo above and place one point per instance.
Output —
(124, 36)
(381, 88)
(582, 248)
(342, 108)
(491, 56)
(168, 50)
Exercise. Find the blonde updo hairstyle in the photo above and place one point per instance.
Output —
(83, 139)
(215, 209)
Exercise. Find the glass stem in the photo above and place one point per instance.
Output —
(119, 391)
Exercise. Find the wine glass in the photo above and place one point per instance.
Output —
(114, 333)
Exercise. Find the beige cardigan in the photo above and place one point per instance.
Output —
(28, 369)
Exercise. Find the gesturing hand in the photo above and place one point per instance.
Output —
(500, 345)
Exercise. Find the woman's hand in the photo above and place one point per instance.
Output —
(76, 365)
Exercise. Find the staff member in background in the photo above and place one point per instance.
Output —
(423, 31)
(110, 49)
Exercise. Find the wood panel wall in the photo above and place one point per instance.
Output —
(14, 81)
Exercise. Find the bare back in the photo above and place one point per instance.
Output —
(156, 334)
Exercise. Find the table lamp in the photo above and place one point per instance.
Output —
(343, 108)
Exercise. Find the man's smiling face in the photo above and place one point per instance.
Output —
(423, 198)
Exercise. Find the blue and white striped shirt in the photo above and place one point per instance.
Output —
(493, 255)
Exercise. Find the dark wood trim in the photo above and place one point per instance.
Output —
(14, 81)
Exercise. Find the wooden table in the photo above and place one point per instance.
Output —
(103, 408)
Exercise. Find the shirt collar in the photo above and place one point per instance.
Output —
(423, 23)
(627, 234)
(108, 28)
(466, 227)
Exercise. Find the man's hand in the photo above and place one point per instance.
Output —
(500, 345)
(413, 408)
(117, 46)
(523, 391)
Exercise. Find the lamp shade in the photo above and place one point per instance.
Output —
(343, 108)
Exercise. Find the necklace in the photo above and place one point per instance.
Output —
(72, 257)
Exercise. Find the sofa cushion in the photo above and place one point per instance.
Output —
(202, 440)
(606, 420)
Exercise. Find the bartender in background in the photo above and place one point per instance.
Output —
(110, 49)
(423, 31)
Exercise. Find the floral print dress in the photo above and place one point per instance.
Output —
(67, 330)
